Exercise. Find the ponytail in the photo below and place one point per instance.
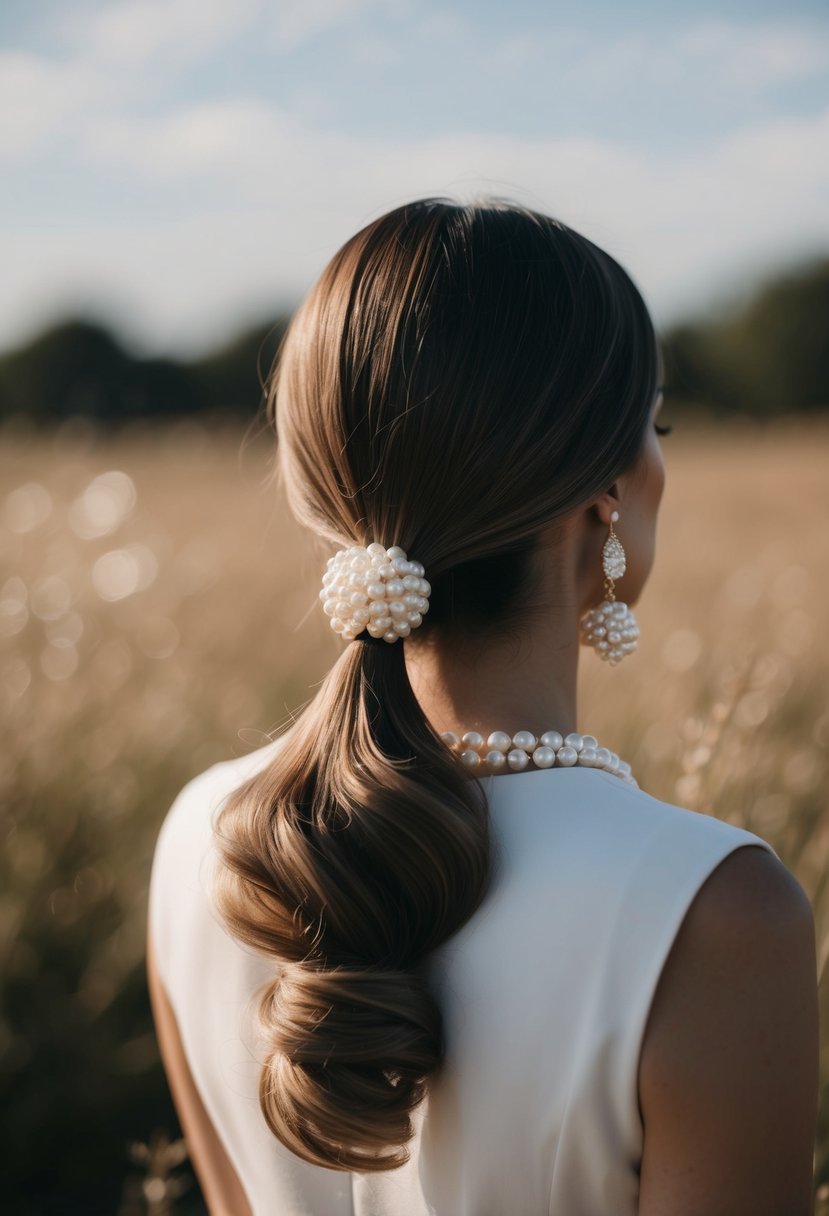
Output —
(357, 851)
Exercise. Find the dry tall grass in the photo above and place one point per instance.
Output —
(158, 612)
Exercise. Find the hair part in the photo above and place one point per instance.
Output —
(459, 377)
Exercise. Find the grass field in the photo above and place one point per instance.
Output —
(158, 612)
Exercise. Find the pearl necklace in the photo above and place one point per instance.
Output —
(501, 751)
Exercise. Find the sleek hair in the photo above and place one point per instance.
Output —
(459, 377)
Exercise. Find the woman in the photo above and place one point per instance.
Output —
(432, 950)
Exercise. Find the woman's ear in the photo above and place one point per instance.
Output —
(607, 503)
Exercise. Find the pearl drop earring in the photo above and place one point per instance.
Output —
(611, 627)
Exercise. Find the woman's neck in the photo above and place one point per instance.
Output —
(522, 681)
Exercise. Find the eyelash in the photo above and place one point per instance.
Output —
(660, 428)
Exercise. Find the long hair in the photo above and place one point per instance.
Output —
(459, 377)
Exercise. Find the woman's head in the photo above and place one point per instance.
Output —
(460, 377)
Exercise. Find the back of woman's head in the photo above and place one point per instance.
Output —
(458, 378)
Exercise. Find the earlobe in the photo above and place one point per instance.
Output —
(609, 502)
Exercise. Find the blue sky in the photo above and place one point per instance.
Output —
(184, 166)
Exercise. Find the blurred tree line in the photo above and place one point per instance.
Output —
(770, 356)
(79, 368)
(766, 357)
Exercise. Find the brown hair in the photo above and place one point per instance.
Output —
(459, 377)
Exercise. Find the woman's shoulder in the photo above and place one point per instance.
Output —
(659, 818)
(195, 805)
(179, 880)
(184, 842)
(734, 1027)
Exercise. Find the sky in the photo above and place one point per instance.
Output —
(182, 168)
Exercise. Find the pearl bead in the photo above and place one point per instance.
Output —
(377, 608)
(376, 591)
(517, 759)
(495, 759)
(544, 757)
(506, 753)
(500, 741)
(396, 551)
(377, 550)
(525, 740)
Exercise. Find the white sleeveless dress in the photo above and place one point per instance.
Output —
(545, 995)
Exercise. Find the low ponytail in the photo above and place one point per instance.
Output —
(359, 849)
(459, 378)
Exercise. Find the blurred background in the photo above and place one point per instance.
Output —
(175, 175)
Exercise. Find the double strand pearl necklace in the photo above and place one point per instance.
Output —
(500, 751)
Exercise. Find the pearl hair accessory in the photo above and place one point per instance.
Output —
(611, 627)
(500, 751)
(374, 589)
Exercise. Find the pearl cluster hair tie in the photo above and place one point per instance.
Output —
(374, 589)
(501, 751)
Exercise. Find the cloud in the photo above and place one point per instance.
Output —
(297, 23)
(724, 57)
(276, 198)
(41, 98)
(193, 212)
(758, 57)
(244, 136)
(133, 31)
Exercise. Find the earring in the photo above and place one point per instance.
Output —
(611, 627)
